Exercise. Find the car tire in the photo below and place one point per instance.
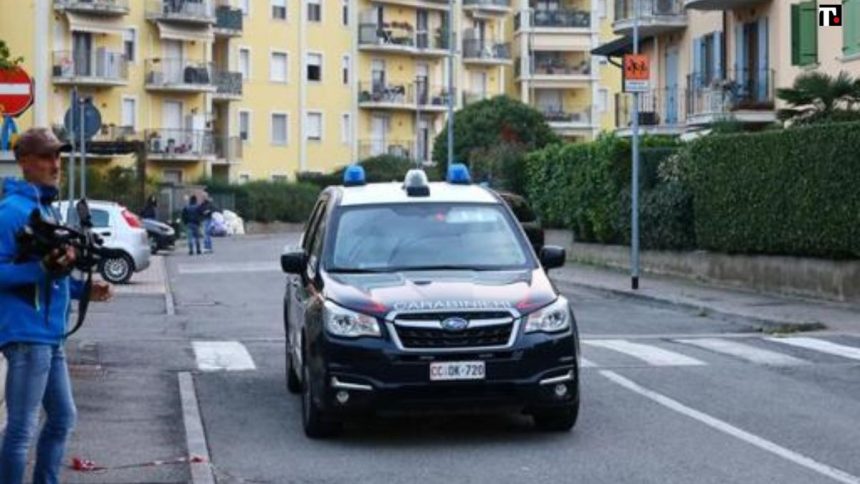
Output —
(557, 419)
(294, 385)
(153, 245)
(117, 270)
(314, 421)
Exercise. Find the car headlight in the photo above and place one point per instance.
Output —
(553, 318)
(345, 323)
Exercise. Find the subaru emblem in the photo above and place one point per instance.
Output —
(454, 324)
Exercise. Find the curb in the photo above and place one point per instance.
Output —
(765, 323)
(195, 437)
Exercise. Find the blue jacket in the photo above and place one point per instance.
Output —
(25, 315)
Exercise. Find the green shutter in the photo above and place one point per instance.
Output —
(795, 35)
(850, 27)
(808, 22)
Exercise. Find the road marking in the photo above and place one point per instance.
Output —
(649, 354)
(821, 345)
(222, 356)
(195, 437)
(229, 267)
(764, 444)
(744, 351)
(586, 363)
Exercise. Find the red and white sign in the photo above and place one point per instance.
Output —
(16, 92)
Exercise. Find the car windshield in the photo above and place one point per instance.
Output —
(425, 237)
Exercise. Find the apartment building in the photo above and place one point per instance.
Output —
(713, 60)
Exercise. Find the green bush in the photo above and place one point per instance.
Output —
(266, 201)
(382, 168)
(792, 192)
(665, 217)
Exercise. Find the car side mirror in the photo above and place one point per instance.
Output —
(552, 256)
(293, 261)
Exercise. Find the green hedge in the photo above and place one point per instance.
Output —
(795, 192)
(377, 169)
(265, 201)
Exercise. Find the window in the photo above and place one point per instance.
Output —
(245, 63)
(279, 9)
(804, 34)
(129, 113)
(245, 125)
(851, 27)
(278, 67)
(314, 67)
(279, 129)
(345, 11)
(602, 100)
(314, 11)
(345, 69)
(172, 176)
(346, 129)
(245, 7)
(314, 126)
(129, 41)
(101, 218)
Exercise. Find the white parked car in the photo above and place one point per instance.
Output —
(120, 229)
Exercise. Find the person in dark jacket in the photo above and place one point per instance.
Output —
(191, 218)
(207, 209)
(34, 306)
(150, 208)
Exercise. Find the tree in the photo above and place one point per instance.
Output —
(6, 60)
(818, 97)
(488, 124)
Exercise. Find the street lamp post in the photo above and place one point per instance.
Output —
(451, 52)
(634, 226)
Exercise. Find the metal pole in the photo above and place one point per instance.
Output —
(82, 102)
(634, 236)
(451, 52)
(419, 89)
(73, 142)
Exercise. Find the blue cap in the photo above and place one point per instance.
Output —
(458, 174)
(354, 176)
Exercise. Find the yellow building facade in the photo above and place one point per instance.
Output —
(265, 89)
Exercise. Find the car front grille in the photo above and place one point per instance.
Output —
(424, 331)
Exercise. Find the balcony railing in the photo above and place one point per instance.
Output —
(99, 7)
(402, 35)
(431, 96)
(199, 11)
(659, 107)
(476, 49)
(180, 143)
(386, 93)
(556, 19)
(625, 9)
(368, 148)
(471, 97)
(228, 84)
(178, 73)
(228, 148)
(743, 89)
(101, 67)
(560, 67)
(228, 19)
(560, 114)
(487, 3)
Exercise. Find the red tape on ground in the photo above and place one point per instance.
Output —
(79, 464)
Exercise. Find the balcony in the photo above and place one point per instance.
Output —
(471, 97)
(101, 69)
(200, 12)
(476, 51)
(228, 149)
(381, 95)
(426, 4)
(180, 145)
(661, 111)
(568, 121)
(179, 75)
(721, 4)
(746, 95)
(560, 20)
(487, 7)
(432, 98)
(655, 16)
(553, 70)
(108, 8)
(228, 21)
(368, 148)
(228, 85)
(401, 37)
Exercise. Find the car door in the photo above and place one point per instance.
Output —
(297, 285)
(104, 226)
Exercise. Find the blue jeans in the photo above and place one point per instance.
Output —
(207, 236)
(193, 238)
(37, 374)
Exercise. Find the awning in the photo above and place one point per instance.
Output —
(618, 47)
(96, 25)
(186, 33)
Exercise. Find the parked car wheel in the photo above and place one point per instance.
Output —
(153, 245)
(117, 270)
(314, 421)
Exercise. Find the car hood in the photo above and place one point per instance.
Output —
(522, 291)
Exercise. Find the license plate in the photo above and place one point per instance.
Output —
(457, 370)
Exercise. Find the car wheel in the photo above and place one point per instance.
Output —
(117, 270)
(153, 245)
(557, 419)
(314, 422)
(294, 385)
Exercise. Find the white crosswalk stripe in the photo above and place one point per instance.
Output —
(820, 345)
(587, 363)
(650, 354)
(222, 356)
(744, 351)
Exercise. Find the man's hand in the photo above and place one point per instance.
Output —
(60, 261)
(101, 291)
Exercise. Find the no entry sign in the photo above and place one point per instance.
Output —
(16, 91)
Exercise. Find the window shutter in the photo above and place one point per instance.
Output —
(697, 63)
(718, 55)
(808, 23)
(848, 26)
(795, 35)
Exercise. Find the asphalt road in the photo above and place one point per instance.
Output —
(670, 396)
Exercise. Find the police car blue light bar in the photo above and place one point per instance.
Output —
(354, 176)
(458, 174)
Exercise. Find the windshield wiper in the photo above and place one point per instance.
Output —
(440, 267)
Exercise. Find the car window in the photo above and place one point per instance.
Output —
(316, 243)
(101, 218)
(311, 226)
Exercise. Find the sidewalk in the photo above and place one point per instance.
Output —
(771, 311)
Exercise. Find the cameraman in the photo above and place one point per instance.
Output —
(34, 306)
